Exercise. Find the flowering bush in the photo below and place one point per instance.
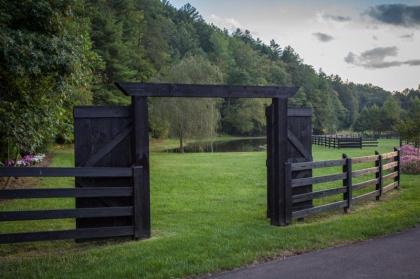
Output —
(410, 159)
(26, 161)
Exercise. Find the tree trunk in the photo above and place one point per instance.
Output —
(181, 143)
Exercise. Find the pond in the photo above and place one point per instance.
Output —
(233, 145)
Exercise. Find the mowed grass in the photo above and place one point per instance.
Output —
(208, 215)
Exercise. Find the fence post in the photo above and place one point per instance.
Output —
(288, 193)
(141, 203)
(347, 182)
(280, 155)
(379, 175)
(398, 159)
(361, 142)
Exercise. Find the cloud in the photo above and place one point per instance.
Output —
(396, 14)
(322, 37)
(228, 23)
(338, 18)
(375, 58)
(407, 36)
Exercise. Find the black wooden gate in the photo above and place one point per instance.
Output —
(299, 149)
(105, 137)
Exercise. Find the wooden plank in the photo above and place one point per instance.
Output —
(365, 184)
(101, 111)
(141, 161)
(390, 187)
(67, 234)
(298, 145)
(318, 209)
(107, 148)
(318, 194)
(366, 196)
(318, 179)
(390, 165)
(204, 90)
(299, 112)
(389, 155)
(318, 164)
(391, 175)
(280, 156)
(365, 171)
(65, 172)
(66, 213)
(85, 192)
(364, 159)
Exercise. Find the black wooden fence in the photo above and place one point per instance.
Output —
(133, 192)
(344, 141)
(384, 163)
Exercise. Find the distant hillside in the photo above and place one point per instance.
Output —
(57, 54)
(140, 40)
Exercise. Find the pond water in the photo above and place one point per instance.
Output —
(234, 145)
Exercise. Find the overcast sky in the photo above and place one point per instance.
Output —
(373, 41)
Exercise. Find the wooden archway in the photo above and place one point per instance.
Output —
(129, 125)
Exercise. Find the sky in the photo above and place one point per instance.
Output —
(375, 42)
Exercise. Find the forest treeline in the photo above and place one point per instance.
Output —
(61, 53)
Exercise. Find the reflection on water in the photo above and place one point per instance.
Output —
(235, 145)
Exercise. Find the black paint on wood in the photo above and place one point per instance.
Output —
(141, 158)
(139, 89)
(269, 162)
(280, 142)
(65, 172)
(398, 168)
(348, 183)
(86, 192)
(96, 128)
(379, 175)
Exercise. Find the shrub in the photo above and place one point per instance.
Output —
(410, 159)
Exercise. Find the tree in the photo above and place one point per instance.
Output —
(188, 117)
(391, 114)
(117, 33)
(409, 126)
(46, 67)
(370, 120)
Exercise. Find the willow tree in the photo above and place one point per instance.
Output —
(187, 117)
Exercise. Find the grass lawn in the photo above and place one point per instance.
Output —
(208, 215)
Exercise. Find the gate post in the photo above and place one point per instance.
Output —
(269, 162)
(281, 215)
(141, 158)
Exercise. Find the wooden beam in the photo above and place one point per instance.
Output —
(101, 111)
(139, 89)
(141, 178)
(66, 172)
(282, 196)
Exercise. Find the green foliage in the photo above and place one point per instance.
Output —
(409, 126)
(187, 117)
(117, 32)
(57, 54)
(46, 67)
(379, 119)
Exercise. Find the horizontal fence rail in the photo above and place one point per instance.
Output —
(386, 167)
(344, 141)
(128, 191)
